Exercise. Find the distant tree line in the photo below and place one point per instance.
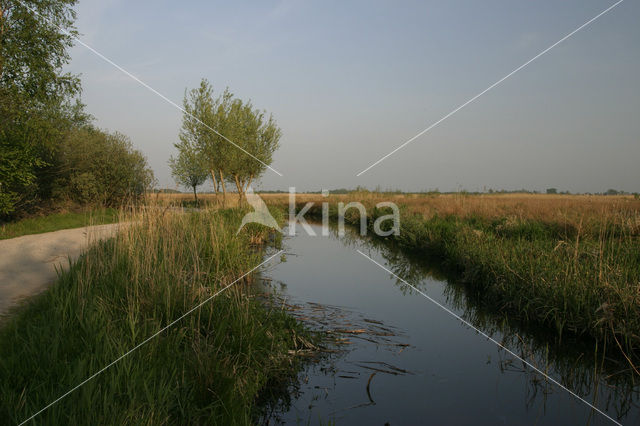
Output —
(339, 191)
(50, 152)
(224, 138)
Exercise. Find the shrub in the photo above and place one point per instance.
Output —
(99, 167)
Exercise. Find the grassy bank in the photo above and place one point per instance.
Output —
(211, 367)
(572, 270)
(56, 222)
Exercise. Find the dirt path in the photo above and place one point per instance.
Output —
(28, 264)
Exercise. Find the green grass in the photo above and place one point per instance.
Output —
(56, 222)
(212, 367)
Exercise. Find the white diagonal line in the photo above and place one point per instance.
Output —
(491, 87)
(468, 324)
(154, 91)
(94, 375)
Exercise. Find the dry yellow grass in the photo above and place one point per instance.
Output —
(569, 209)
(231, 199)
(575, 210)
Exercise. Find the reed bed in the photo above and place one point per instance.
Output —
(213, 366)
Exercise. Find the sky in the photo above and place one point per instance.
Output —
(348, 82)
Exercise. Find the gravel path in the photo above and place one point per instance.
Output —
(28, 264)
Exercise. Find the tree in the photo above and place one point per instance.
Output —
(48, 148)
(552, 191)
(34, 40)
(235, 140)
(258, 135)
(188, 169)
(203, 113)
(36, 97)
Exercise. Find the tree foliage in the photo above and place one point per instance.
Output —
(34, 39)
(95, 166)
(258, 135)
(235, 141)
(41, 116)
(188, 168)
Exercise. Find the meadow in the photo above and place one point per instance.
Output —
(220, 364)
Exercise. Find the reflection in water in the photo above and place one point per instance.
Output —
(328, 270)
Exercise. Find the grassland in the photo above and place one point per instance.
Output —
(570, 264)
(214, 366)
(57, 221)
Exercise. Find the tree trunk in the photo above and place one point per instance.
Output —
(195, 195)
(215, 182)
(248, 183)
(224, 189)
(240, 187)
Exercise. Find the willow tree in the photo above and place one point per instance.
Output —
(188, 168)
(202, 123)
(217, 147)
(259, 135)
(235, 140)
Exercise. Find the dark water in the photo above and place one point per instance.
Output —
(449, 374)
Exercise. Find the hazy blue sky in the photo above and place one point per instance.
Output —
(350, 81)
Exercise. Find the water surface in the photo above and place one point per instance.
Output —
(407, 361)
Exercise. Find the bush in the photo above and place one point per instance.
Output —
(84, 187)
(99, 167)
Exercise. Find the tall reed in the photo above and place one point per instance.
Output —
(211, 367)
